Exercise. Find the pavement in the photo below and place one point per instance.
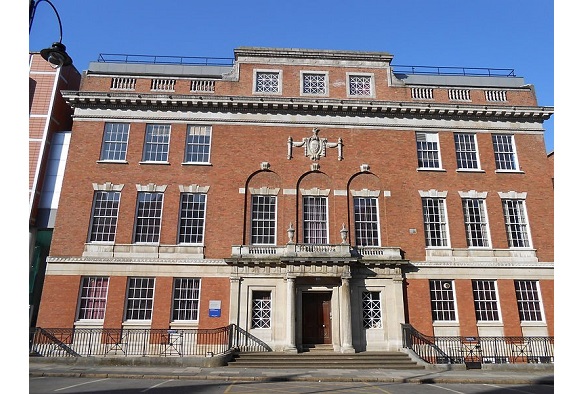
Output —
(524, 374)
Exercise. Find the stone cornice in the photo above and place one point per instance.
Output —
(149, 261)
(77, 99)
(480, 264)
(298, 53)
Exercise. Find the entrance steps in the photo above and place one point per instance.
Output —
(321, 358)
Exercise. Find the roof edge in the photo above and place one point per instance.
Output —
(312, 54)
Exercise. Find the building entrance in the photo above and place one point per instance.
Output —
(316, 318)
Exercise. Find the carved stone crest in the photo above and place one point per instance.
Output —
(315, 146)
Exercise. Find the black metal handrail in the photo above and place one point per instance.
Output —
(440, 70)
(85, 342)
(243, 341)
(229, 61)
(154, 59)
(57, 340)
(484, 350)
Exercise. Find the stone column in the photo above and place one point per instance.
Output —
(290, 314)
(396, 313)
(345, 316)
(234, 317)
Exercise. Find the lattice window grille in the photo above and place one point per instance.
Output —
(372, 309)
(314, 84)
(495, 95)
(459, 95)
(203, 85)
(121, 83)
(360, 85)
(267, 82)
(163, 84)
(485, 300)
(442, 300)
(261, 309)
(422, 93)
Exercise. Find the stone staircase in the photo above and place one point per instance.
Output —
(319, 359)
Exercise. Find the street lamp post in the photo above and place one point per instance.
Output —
(56, 54)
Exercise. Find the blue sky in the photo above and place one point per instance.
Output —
(460, 33)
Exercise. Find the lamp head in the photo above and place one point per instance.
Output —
(56, 55)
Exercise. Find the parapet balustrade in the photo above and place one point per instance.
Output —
(269, 252)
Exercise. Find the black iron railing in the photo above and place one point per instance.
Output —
(152, 59)
(482, 350)
(469, 71)
(229, 61)
(84, 342)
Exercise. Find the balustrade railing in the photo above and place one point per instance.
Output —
(315, 250)
(85, 342)
(478, 350)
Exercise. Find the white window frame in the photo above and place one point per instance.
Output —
(371, 309)
(115, 142)
(516, 201)
(186, 299)
(184, 220)
(93, 299)
(349, 77)
(257, 72)
(423, 151)
(440, 289)
(505, 156)
(100, 215)
(313, 226)
(372, 236)
(529, 305)
(325, 75)
(445, 239)
(137, 304)
(466, 152)
(152, 147)
(486, 300)
(477, 223)
(202, 132)
(154, 230)
(253, 225)
(261, 309)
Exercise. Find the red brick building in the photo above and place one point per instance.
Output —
(49, 126)
(311, 197)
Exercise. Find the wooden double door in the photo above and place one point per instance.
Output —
(316, 310)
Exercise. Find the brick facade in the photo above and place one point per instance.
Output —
(256, 149)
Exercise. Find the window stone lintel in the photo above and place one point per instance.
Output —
(107, 186)
(194, 188)
(151, 187)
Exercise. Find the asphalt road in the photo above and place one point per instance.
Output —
(70, 385)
